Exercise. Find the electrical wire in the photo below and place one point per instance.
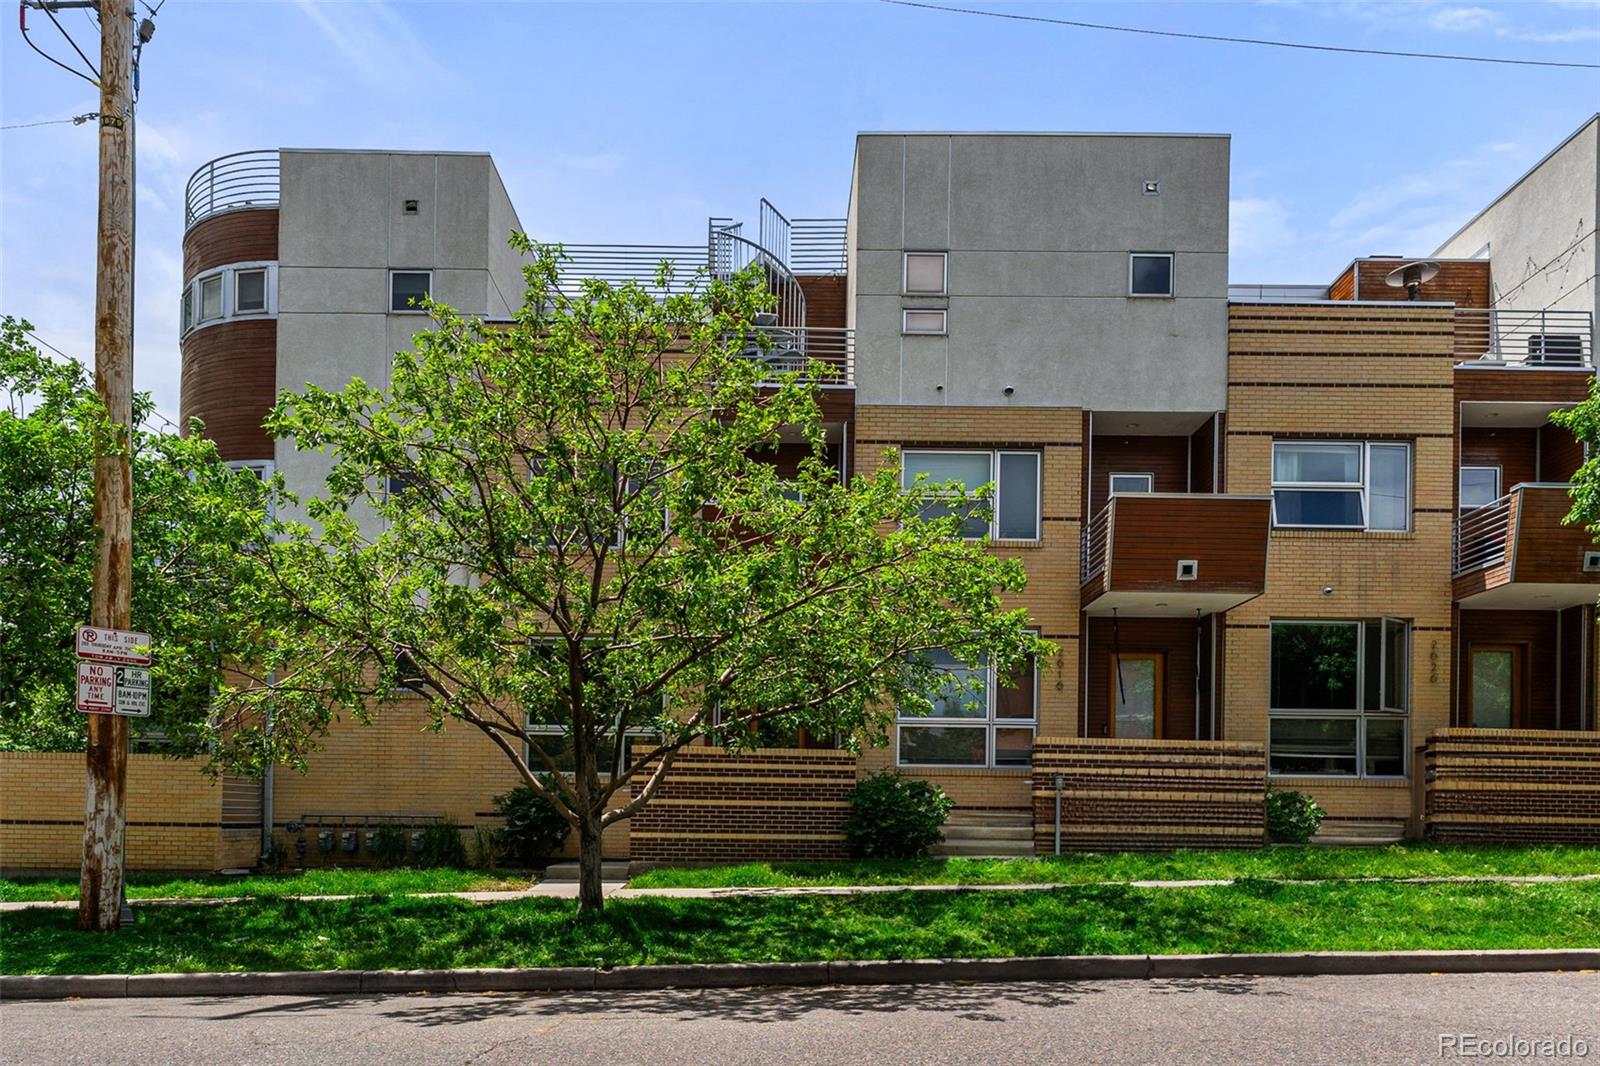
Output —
(1239, 40)
(153, 409)
(22, 21)
(76, 120)
(1539, 270)
(86, 62)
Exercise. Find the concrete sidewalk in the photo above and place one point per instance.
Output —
(619, 889)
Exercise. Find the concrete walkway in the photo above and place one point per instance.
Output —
(619, 889)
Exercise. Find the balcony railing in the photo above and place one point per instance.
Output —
(243, 179)
(1094, 545)
(1481, 536)
(1545, 338)
(787, 350)
(817, 246)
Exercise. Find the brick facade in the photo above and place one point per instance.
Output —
(1492, 786)
(1144, 795)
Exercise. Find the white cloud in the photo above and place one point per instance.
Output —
(1258, 228)
(377, 44)
(1464, 19)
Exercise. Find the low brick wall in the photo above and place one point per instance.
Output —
(178, 819)
(1512, 786)
(1148, 795)
(773, 804)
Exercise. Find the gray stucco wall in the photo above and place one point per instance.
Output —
(1038, 229)
(1540, 234)
(343, 228)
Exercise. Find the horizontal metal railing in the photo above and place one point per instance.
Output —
(243, 179)
(1095, 544)
(1528, 338)
(1482, 535)
(620, 264)
(788, 349)
(817, 246)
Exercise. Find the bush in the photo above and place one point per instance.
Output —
(1292, 817)
(441, 845)
(485, 849)
(387, 845)
(895, 817)
(534, 829)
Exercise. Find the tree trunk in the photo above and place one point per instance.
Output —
(591, 897)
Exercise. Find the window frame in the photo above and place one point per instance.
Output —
(990, 723)
(393, 310)
(1361, 714)
(905, 322)
(1362, 487)
(1111, 483)
(995, 479)
(200, 316)
(192, 302)
(905, 273)
(1172, 276)
(234, 276)
(1499, 484)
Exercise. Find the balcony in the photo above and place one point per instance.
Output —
(230, 183)
(1517, 554)
(1550, 340)
(1174, 554)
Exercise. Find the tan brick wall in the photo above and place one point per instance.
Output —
(175, 815)
(1358, 373)
(1513, 786)
(1052, 564)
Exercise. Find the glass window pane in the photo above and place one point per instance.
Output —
(187, 306)
(1386, 747)
(942, 745)
(1013, 747)
(964, 693)
(1396, 665)
(1152, 275)
(1317, 463)
(1122, 483)
(1018, 506)
(924, 322)
(1133, 682)
(1389, 493)
(250, 291)
(971, 469)
(1014, 695)
(1314, 666)
(1492, 678)
(1317, 507)
(1371, 675)
(1480, 485)
(211, 298)
(925, 272)
(1313, 746)
(407, 290)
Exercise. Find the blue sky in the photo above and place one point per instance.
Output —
(613, 122)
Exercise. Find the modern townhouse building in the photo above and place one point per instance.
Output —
(1288, 536)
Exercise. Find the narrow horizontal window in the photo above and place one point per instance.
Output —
(1125, 483)
(927, 322)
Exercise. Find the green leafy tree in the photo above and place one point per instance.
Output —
(1583, 422)
(193, 518)
(582, 535)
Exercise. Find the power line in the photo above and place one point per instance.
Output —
(1239, 40)
(76, 120)
(153, 408)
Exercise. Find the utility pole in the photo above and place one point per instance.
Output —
(100, 889)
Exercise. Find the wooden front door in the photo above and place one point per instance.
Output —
(1138, 689)
(1495, 686)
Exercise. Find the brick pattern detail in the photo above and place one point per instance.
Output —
(773, 804)
(1513, 786)
(1143, 795)
(229, 382)
(178, 819)
(245, 236)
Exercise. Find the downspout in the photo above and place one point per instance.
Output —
(1197, 673)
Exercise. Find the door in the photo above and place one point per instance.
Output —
(1137, 695)
(1494, 686)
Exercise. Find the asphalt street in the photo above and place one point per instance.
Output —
(1395, 1019)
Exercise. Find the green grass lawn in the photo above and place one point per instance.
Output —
(328, 882)
(408, 932)
(1400, 860)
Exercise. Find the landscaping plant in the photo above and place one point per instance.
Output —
(534, 829)
(387, 845)
(895, 817)
(441, 846)
(1292, 817)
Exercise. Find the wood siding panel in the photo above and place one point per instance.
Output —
(1167, 458)
(1172, 637)
(1546, 548)
(1560, 454)
(825, 300)
(1463, 282)
(1489, 384)
(1226, 535)
(1514, 451)
(1535, 631)
(231, 237)
(229, 382)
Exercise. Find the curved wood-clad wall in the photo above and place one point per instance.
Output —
(230, 368)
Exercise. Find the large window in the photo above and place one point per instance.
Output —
(1339, 695)
(978, 719)
(1015, 475)
(238, 290)
(1341, 485)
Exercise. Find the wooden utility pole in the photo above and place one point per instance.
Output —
(100, 889)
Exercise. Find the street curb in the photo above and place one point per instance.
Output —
(794, 974)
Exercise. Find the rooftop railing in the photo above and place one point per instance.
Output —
(1546, 338)
(817, 246)
(230, 182)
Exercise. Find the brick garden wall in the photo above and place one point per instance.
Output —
(178, 819)
(773, 804)
(1148, 795)
(1513, 786)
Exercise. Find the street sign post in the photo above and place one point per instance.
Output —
(106, 688)
(113, 646)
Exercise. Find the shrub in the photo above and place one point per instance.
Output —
(1292, 817)
(387, 845)
(441, 845)
(534, 829)
(485, 849)
(895, 817)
